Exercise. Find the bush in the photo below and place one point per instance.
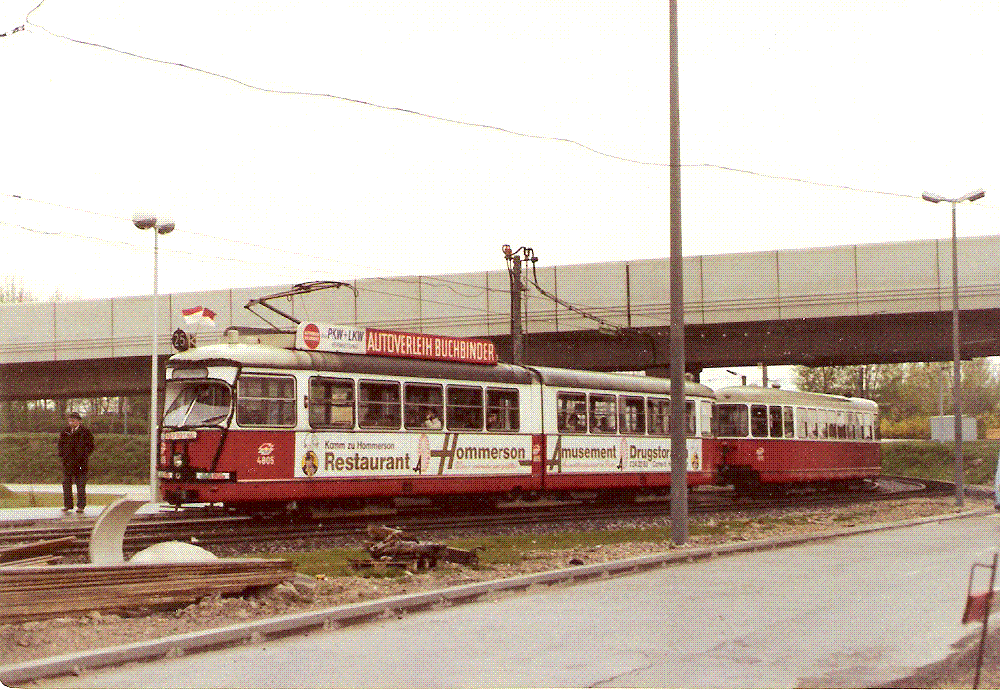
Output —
(33, 458)
(907, 428)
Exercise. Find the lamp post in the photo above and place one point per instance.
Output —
(955, 340)
(144, 220)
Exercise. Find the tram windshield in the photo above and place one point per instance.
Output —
(196, 404)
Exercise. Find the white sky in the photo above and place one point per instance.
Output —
(889, 96)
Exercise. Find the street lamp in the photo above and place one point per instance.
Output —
(955, 341)
(144, 220)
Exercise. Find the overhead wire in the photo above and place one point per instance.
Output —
(457, 121)
(246, 243)
(284, 270)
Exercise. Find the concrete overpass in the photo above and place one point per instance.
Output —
(854, 304)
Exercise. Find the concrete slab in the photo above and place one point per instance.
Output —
(92, 511)
(845, 612)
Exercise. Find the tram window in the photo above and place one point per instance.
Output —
(503, 410)
(331, 403)
(841, 425)
(789, 418)
(633, 415)
(192, 403)
(423, 408)
(829, 429)
(378, 404)
(802, 426)
(571, 409)
(706, 408)
(465, 407)
(734, 420)
(265, 401)
(774, 417)
(692, 419)
(603, 413)
(813, 418)
(659, 415)
(758, 420)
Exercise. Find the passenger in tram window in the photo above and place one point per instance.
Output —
(432, 421)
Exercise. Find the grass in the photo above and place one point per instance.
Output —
(24, 500)
(936, 461)
(498, 549)
(121, 459)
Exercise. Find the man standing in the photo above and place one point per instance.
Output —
(76, 443)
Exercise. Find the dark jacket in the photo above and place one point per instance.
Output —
(75, 448)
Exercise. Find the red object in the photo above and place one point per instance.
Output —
(198, 315)
(430, 347)
(310, 335)
(977, 607)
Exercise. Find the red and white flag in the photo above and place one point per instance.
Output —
(197, 316)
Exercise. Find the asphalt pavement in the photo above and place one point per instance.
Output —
(851, 611)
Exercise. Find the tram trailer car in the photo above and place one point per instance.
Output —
(775, 439)
(272, 425)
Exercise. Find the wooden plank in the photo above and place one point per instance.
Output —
(33, 549)
(46, 591)
(35, 561)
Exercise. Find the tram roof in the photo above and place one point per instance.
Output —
(584, 379)
(758, 394)
(275, 357)
(264, 356)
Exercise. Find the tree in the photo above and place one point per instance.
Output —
(13, 290)
(913, 390)
(876, 382)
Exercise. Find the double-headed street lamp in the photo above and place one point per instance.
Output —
(144, 220)
(955, 339)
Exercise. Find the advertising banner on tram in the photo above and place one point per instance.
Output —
(580, 454)
(339, 455)
(366, 341)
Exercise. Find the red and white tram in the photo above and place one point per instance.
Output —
(771, 437)
(336, 417)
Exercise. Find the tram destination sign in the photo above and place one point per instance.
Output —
(366, 341)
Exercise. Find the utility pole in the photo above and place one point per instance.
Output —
(516, 288)
(678, 408)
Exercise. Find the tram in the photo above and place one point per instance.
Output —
(333, 418)
(771, 438)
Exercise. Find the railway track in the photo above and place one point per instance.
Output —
(238, 533)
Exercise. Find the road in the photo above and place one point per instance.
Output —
(847, 612)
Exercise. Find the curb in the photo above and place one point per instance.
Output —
(348, 615)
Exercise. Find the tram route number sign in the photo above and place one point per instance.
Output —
(367, 341)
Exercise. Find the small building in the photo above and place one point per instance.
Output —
(943, 428)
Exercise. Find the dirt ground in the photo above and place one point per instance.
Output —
(37, 639)
(958, 670)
